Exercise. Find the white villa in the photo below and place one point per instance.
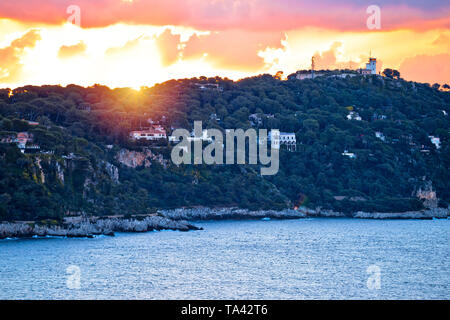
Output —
(353, 116)
(351, 155)
(436, 141)
(154, 133)
(380, 136)
(287, 139)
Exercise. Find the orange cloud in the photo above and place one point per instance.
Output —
(70, 51)
(10, 57)
(168, 44)
(443, 40)
(328, 59)
(232, 49)
(126, 47)
(427, 68)
(135, 55)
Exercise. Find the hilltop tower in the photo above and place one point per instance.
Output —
(372, 65)
(312, 67)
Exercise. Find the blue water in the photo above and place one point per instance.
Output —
(291, 259)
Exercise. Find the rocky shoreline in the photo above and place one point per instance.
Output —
(204, 213)
(90, 227)
(436, 213)
(177, 219)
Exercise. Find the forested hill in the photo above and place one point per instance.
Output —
(87, 163)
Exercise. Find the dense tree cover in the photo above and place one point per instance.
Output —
(391, 73)
(76, 124)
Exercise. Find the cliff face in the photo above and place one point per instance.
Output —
(50, 169)
(59, 172)
(39, 186)
(135, 159)
(112, 171)
(428, 196)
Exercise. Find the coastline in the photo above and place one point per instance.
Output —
(180, 220)
(78, 227)
(205, 213)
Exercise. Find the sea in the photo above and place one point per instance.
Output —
(313, 258)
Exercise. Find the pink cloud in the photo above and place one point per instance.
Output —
(262, 15)
(427, 68)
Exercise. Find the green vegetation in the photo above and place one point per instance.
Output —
(77, 124)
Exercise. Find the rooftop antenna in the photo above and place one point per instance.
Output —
(312, 67)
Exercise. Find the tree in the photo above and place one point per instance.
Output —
(279, 75)
(311, 124)
(20, 125)
(7, 124)
(391, 73)
(396, 74)
(388, 73)
(436, 86)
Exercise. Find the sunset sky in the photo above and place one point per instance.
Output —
(133, 43)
